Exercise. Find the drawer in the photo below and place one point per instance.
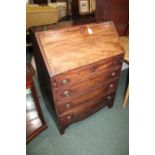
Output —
(88, 96)
(70, 91)
(74, 76)
(86, 109)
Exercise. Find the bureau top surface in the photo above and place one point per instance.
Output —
(77, 46)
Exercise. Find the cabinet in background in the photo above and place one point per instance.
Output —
(107, 10)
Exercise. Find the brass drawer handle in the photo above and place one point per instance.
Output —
(111, 85)
(109, 97)
(64, 82)
(66, 93)
(67, 105)
(113, 74)
(69, 117)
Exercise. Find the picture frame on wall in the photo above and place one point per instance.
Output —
(84, 6)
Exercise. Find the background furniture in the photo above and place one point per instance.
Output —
(75, 10)
(107, 10)
(125, 43)
(116, 11)
(80, 76)
(41, 15)
(37, 15)
(62, 10)
(41, 2)
(35, 122)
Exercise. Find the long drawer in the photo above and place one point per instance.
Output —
(86, 109)
(76, 76)
(88, 96)
(68, 92)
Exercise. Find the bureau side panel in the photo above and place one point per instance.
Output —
(42, 72)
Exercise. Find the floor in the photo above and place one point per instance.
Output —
(104, 133)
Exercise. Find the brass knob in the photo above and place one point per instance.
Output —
(66, 93)
(64, 82)
(69, 117)
(67, 105)
(113, 74)
(109, 97)
(111, 85)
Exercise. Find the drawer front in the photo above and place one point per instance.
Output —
(75, 76)
(86, 109)
(97, 93)
(70, 91)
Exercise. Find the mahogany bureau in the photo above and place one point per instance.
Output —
(79, 67)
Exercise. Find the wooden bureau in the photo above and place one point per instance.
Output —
(79, 67)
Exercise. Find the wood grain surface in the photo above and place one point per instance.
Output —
(86, 84)
(74, 47)
(94, 93)
(78, 69)
(86, 109)
(82, 73)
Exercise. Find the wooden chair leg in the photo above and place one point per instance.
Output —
(126, 97)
